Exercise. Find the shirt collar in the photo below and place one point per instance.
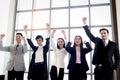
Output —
(40, 46)
(106, 41)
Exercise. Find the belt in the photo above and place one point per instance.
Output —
(39, 63)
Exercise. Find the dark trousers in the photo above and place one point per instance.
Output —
(78, 73)
(2, 77)
(18, 75)
(102, 73)
(38, 72)
(53, 73)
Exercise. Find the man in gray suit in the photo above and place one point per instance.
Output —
(16, 65)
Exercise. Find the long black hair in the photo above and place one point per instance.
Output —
(63, 44)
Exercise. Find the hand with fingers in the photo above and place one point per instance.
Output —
(63, 32)
(48, 27)
(2, 36)
(25, 28)
(84, 19)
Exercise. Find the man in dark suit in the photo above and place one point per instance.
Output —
(106, 54)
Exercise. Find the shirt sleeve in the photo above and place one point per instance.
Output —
(53, 44)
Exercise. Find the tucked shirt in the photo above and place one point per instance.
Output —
(78, 55)
(39, 55)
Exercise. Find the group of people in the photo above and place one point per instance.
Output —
(105, 58)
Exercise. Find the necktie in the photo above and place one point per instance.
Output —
(104, 42)
(17, 46)
(16, 49)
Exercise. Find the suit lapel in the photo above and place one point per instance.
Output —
(109, 46)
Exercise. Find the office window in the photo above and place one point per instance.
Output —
(79, 2)
(76, 15)
(59, 18)
(40, 18)
(24, 4)
(63, 15)
(23, 19)
(100, 15)
(99, 1)
(39, 4)
(59, 3)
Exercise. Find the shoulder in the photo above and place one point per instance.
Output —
(113, 43)
(97, 40)
(48, 38)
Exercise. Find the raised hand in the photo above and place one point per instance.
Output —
(23, 38)
(25, 29)
(48, 27)
(84, 42)
(84, 20)
(63, 32)
(2, 36)
(53, 33)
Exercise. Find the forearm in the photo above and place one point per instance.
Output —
(52, 44)
(68, 47)
(48, 34)
(6, 48)
(89, 34)
(89, 48)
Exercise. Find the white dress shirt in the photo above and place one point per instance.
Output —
(59, 55)
(39, 55)
(105, 42)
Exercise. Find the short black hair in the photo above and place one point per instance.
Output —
(104, 29)
(39, 36)
(19, 34)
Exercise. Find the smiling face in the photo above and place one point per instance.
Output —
(77, 41)
(18, 38)
(39, 41)
(104, 34)
(60, 43)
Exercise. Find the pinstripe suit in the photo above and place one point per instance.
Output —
(103, 57)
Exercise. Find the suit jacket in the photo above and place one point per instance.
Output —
(45, 50)
(72, 61)
(104, 55)
(16, 60)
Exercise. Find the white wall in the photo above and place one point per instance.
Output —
(6, 27)
(118, 18)
(4, 10)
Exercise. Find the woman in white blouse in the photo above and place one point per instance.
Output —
(57, 68)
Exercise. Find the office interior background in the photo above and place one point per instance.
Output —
(62, 15)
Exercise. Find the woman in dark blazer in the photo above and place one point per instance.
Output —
(77, 64)
(32, 63)
(38, 64)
